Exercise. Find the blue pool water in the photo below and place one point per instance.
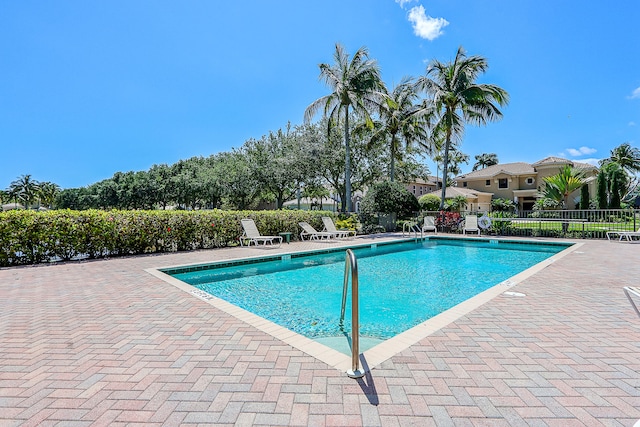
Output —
(401, 284)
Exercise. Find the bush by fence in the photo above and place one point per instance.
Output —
(29, 237)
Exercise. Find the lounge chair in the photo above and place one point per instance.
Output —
(628, 235)
(330, 227)
(429, 224)
(252, 235)
(471, 224)
(629, 291)
(312, 234)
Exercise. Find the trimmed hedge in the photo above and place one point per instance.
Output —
(30, 237)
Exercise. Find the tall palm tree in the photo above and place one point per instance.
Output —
(355, 84)
(398, 124)
(458, 99)
(626, 156)
(485, 160)
(559, 187)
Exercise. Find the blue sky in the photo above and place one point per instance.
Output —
(91, 88)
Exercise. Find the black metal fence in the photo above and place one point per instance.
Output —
(583, 224)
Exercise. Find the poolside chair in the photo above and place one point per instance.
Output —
(471, 224)
(312, 234)
(252, 235)
(330, 227)
(429, 224)
(629, 291)
(628, 235)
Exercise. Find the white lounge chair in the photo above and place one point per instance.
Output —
(628, 235)
(312, 234)
(471, 224)
(330, 227)
(629, 291)
(429, 224)
(252, 235)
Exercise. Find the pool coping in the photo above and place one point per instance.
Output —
(386, 349)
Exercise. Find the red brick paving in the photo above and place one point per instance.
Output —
(105, 343)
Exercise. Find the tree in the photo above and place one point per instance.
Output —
(559, 187)
(485, 160)
(617, 183)
(601, 195)
(457, 99)
(356, 84)
(626, 156)
(280, 163)
(24, 189)
(398, 126)
(328, 151)
(456, 158)
(48, 191)
(584, 197)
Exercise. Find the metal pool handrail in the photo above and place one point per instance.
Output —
(351, 264)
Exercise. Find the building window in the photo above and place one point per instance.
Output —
(464, 183)
(503, 183)
(488, 183)
(529, 181)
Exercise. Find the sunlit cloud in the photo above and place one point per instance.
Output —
(635, 94)
(577, 152)
(425, 26)
(402, 3)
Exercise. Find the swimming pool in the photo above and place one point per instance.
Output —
(401, 284)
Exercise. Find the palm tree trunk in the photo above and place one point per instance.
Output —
(445, 165)
(347, 161)
(392, 163)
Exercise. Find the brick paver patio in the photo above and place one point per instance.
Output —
(106, 343)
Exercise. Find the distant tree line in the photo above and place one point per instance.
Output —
(300, 160)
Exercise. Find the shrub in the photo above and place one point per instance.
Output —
(30, 237)
(389, 198)
(429, 202)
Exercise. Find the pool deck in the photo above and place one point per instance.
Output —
(105, 342)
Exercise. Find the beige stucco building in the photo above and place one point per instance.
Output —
(522, 182)
(420, 187)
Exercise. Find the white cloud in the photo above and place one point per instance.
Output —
(634, 95)
(403, 2)
(425, 26)
(632, 123)
(577, 152)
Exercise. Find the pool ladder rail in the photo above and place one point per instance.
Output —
(351, 265)
(409, 227)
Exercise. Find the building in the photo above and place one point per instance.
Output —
(420, 187)
(522, 182)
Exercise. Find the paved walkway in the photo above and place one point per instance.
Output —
(106, 343)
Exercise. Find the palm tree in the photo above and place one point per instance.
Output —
(47, 193)
(559, 187)
(398, 124)
(356, 84)
(458, 99)
(485, 160)
(626, 156)
(456, 158)
(24, 188)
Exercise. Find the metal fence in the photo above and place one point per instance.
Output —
(583, 224)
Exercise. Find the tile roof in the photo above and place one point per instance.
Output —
(452, 192)
(518, 168)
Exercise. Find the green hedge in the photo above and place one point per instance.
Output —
(30, 237)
